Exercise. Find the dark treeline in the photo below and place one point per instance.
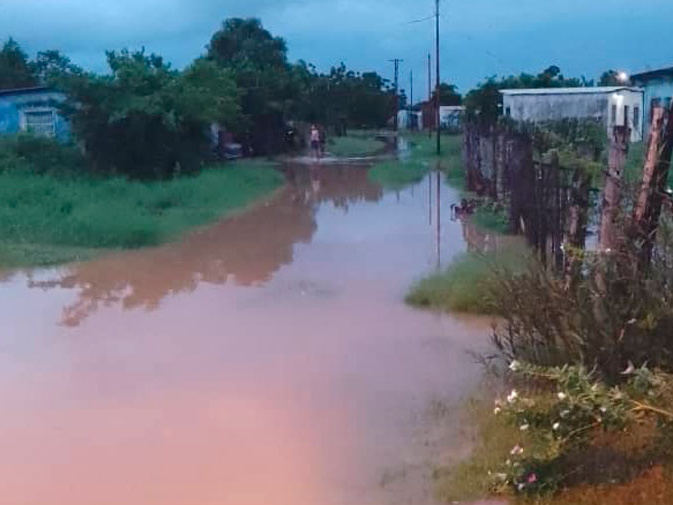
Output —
(148, 120)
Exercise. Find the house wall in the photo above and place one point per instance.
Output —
(661, 88)
(11, 105)
(598, 106)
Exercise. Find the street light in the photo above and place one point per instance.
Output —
(623, 77)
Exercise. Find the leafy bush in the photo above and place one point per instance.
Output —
(563, 416)
(39, 155)
(601, 313)
(147, 120)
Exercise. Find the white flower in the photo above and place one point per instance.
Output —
(516, 450)
(608, 250)
(564, 413)
(562, 396)
(603, 410)
(520, 486)
(514, 366)
(629, 369)
(508, 462)
(497, 410)
(511, 398)
(524, 427)
(556, 426)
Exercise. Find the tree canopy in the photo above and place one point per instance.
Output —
(147, 120)
(15, 68)
(485, 101)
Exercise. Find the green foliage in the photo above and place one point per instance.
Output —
(492, 216)
(147, 120)
(569, 408)
(613, 78)
(353, 146)
(603, 313)
(72, 214)
(448, 95)
(398, 174)
(15, 69)
(39, 155)
(344, 98)
(485, 102)
(467, 285)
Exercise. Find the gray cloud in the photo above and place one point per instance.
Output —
(480, 37)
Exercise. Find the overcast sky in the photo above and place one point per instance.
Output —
(479, 37)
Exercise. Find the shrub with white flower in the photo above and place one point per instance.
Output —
(572, 407)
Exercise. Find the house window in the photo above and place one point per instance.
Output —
(613, 115)
(626, 115)
(636, 118)
(40, 122)
(508, 111)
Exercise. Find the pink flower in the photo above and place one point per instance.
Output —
(532, 478)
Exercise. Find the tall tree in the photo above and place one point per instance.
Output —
(15, 69)
(485, 101)
(448, 95)
(147, 120)
(258, 62)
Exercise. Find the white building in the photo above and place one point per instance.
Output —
(613, 106)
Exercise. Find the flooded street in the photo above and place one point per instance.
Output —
(266, 360)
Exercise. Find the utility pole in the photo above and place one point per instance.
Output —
(411, 96)
(429, 92)
(437, 115)
(397, 62)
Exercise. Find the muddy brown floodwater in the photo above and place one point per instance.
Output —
(266, 360)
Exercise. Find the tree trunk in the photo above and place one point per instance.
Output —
(610, 229)
(655, 176)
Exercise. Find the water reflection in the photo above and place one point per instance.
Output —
(246, 249)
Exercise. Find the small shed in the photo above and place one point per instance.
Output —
(33, 110)
(612, 105)
(658, 86)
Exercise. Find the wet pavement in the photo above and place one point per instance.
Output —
(266, 360)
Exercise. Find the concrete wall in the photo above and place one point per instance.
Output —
(12, 105)
(598, 106)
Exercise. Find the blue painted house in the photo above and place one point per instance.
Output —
(33, 110)
(658, 86)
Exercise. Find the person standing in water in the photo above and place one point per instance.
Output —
(315, 141)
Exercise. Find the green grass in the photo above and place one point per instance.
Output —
(492, 218)
(354, 146)
(467, 284)
(47, 219)
(397, 174)
(421, 158)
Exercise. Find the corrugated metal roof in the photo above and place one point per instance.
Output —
(18, 91)
(570, 91)
(653, 74)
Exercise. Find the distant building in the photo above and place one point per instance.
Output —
(409, 120)
(658, 86)
(33, 110)
(450, 116)
(613, 106)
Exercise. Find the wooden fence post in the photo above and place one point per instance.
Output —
(612, 194)
(647, 210)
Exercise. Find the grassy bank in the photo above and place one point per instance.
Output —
(47, 219)
(467, 284)
(419, 160)
(352, 146)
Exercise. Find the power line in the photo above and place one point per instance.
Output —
(397, 62)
